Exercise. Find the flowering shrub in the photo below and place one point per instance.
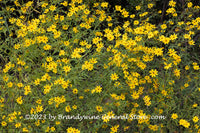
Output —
(64, 59)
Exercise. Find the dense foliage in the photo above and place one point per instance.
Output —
(98, 68)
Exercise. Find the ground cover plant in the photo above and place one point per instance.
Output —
(69, 66)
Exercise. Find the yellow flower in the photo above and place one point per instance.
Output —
(109, 18)
(173, 37)
(172, 3)
(177, 73)
(52, 8)
(47, 47)
(174, 116)
(3, 123)
(153, 73)
(96, 40)
(132, 16)
(186, 36)
(150, 35)
(47, 89)
(150, 5)
(53, 129)
(99, 108)
(67, 68)
(62, 52)
(25, 130)
(87, 65)
(195, 119)
(10, 84)
(114, 128)
(135, 95)
(39, 101)
(125, 13)
(65, 3)
(57, 122)
(105, 118)
(70, 130)
(5, 78)
(44, 5)
(196, 67)
(17, 125)
(37, 81)
(194, 105)
(110, 37)
(86, 11)
(37, 123)
(56, 34)
(65, 27)
(19, 100)
(196, 126)
(114, 76)
(187, 67)
(167, 66)
(39, 108)
(126, 128)
(75, 30)
(62, 18)
(81, 97)
(104, 4)
(189, 4)
(49, 59)
(47, 129)
(66, 43)
(138, 8)
(16, 46)
(74, 107)
(67, 108)
(75, 91)
(93, 60)
(118, 8)
(163, 26)
(186, 85)
(1, 100)
(98, 89)
(164, 92)
(136, 22)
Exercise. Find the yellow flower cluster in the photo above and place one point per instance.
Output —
(89, 64)
(184, 123)
(147, 100)
(79, 59)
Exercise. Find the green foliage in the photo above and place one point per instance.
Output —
(96, 67)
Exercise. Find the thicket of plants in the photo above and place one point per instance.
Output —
(72, 58)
